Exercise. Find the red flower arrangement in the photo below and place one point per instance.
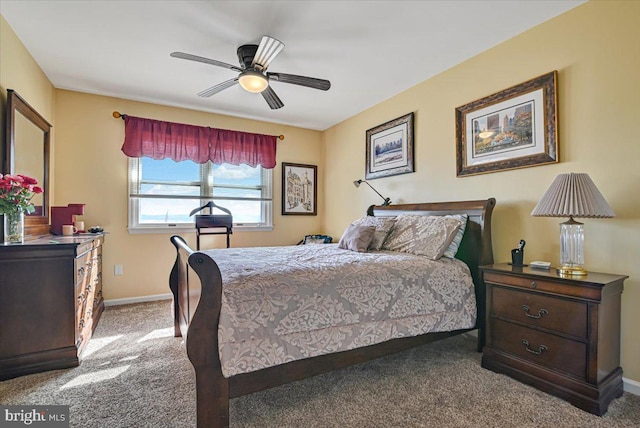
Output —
(16, 192)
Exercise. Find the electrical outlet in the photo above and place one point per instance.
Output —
(117, 269)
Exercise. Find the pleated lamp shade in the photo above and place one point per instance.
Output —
(573, 195)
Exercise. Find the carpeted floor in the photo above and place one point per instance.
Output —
(136, 374)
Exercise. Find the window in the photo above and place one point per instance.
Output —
(162, 193)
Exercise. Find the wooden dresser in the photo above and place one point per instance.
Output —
(50, 302)
(560, 335)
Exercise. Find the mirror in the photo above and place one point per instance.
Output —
(27, 153)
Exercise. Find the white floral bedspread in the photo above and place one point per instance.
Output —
(282, 304)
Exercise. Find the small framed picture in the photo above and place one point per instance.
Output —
(513, 128)
(390, 148)
(299, 189)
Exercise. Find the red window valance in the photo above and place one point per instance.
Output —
(159, 140)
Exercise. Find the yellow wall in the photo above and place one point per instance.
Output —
(92, 170)
(20, 72)
(595, 49)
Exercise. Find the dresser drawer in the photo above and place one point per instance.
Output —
(83, 266)
(541, 348)
(535, 309)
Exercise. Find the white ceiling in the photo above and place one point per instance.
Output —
(369, 50)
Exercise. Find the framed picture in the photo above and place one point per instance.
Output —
(299, 189)
(390, 148)
(514, 128)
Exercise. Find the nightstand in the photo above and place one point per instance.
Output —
(558, 334)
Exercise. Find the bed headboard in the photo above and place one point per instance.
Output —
(475, 249)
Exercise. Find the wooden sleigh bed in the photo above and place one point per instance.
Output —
(196, 283)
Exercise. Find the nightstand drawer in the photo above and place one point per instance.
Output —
(564, 288)
(541, 348)
(534, 309)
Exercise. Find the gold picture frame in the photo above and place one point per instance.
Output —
(513, 128)
(389, 148)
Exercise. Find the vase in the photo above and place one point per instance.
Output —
(14, 227)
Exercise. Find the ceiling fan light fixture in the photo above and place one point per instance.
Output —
(253, 81)
(254, 61)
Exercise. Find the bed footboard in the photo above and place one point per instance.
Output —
(202, 291)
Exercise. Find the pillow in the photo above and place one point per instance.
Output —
(452, 249)
(357, 238)
(383, 226)
(422, 235)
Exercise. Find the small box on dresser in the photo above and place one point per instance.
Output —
(558, 334)
(50, 302)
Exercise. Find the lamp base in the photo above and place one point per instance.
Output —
(571, 248)
(572, 271)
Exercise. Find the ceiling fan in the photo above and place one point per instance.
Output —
(253, 77)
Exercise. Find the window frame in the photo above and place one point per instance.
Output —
(206, 184)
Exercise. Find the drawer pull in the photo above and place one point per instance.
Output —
(541, 312)
(540, 350)
(534, 284)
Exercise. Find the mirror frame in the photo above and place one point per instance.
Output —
(34, 225)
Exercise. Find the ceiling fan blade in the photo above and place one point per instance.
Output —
(218, 88)
(268, 49)
(196, 58)
(310, 82)
(272, 99)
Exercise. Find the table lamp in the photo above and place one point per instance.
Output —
(572, 195)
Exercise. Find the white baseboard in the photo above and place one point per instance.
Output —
(129, 300)
(631, 386)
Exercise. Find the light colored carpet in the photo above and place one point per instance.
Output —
(136, 374)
